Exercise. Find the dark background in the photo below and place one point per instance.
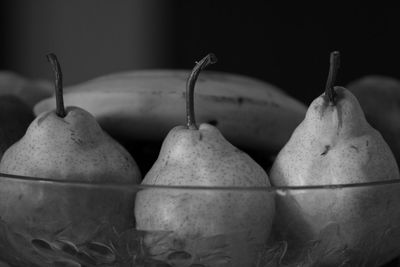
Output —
(285, 44)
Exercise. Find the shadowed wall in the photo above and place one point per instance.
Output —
(285, 44)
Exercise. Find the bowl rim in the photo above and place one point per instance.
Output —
(134, 186)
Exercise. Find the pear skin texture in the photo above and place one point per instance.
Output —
(335, 141)
(335, 145)
(203, 157)
(70, 148)
(73, 148)
(379, 97)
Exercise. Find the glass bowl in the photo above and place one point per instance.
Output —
(58, 223)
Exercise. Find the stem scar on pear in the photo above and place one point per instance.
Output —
(200, 65)
(330, 93)
(58, 83)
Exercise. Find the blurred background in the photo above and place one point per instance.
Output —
(285, 44)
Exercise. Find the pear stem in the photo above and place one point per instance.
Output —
(330, 93)
(190, 118)
(58, 83)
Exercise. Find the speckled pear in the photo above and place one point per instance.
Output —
(201, 156)
(68, 145)
(70, 148)
(335, 145)
(336, 141)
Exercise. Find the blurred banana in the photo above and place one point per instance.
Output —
(28, 90)
(144, 105)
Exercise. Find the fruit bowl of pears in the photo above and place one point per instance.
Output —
(75, 193)
(196, 226)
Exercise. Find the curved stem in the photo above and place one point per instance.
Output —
(207, 60)
(333, 69)
(58, 83)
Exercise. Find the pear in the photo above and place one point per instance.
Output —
(66, 144)
(334, 145)
(200, 156)
(379, 96)
(15, 117)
